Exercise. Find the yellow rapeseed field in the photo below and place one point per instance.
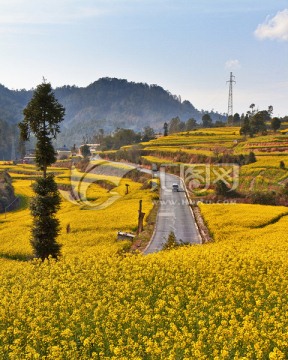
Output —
(91, 229)
(224, 300)
(239, 222)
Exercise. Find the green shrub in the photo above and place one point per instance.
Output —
(172, 242)
(268, 198)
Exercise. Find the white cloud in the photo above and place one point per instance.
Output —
(232, 64)
(275, 28)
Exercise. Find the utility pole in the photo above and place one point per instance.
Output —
(230, 98)
(140, 218)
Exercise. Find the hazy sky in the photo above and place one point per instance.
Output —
(188, 47)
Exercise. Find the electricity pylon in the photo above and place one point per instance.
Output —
(230, 98)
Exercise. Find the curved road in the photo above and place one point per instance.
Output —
(174, 214)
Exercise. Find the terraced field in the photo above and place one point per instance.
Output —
(201, 145)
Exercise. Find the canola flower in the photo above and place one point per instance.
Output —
(203, 302)
(224, 300)
(238, 222)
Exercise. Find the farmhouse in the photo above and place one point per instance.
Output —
(63, 152)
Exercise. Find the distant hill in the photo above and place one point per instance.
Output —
(106, 104)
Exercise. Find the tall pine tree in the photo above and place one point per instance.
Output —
(42, 117)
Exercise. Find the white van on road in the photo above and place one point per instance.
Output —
(175, 187)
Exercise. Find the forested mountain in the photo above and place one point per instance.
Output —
(8, 140)
(12, 103)
(106, 104)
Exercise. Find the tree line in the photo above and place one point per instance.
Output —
(118, 138)
(256, 121)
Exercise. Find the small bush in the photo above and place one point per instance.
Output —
(251, 158)
(223, 189)
(172, 242)
(268, 198)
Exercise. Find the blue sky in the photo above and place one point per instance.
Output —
(188, 47)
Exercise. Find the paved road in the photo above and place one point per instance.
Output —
(174, 215)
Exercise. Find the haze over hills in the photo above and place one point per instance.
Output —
(105, 104)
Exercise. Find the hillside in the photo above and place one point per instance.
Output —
(105, 104)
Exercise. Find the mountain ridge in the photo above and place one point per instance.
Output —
(106, 103)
